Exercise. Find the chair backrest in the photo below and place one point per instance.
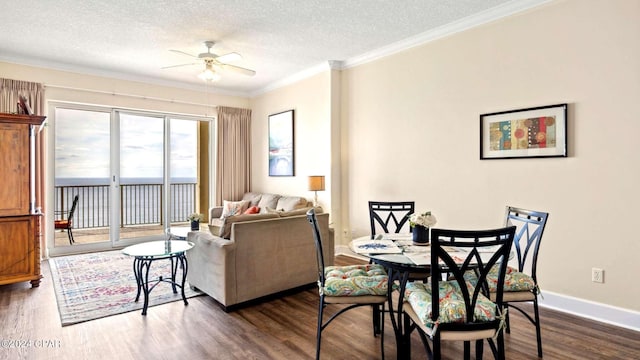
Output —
(313, 220)
(530, 227)
(454, 252)
(391, 217)
(74, 205)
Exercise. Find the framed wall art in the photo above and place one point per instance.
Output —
(281, 149)
(525, 133)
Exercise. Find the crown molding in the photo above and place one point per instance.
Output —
(467, 23)
(493, 14)
(487, 16)
(57, 66)
(304, 74)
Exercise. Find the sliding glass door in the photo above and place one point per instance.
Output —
(82, 146)
(136, 174)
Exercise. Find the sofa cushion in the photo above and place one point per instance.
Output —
(300, 211)
(288, 203)
(224, 225)
(230, 208)
(252, 197)
(268, 200)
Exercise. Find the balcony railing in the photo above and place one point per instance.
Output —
(140, 204)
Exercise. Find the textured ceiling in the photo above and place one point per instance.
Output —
(278, 39)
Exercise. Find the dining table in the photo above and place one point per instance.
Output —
(404, 260)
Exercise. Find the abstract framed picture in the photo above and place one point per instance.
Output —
(281, 151)
(525, 133)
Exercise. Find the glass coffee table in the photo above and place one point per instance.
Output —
(146, 253)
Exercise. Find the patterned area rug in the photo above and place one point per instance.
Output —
(92, 286)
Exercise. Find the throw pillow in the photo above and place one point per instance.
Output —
(252, 210)
(252, 197)
(268, 210)
(230, 208)
(289, 203)
(268, 200)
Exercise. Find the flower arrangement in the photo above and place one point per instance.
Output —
(195, 217)
(425, 219)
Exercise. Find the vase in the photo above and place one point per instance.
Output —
(420, 235)
(195, 225)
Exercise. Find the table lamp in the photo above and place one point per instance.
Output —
(316, 183)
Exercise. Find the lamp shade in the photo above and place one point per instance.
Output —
(316, 183)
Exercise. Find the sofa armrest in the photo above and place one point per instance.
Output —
(212, 263)
(215, 212)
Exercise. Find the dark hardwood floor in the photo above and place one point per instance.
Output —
(278, 329)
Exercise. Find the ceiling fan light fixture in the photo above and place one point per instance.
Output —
(209, 74)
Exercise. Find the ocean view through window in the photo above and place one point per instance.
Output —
(129, 183)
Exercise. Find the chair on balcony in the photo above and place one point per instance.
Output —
(67, 224)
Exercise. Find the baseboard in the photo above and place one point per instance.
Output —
(625, 318)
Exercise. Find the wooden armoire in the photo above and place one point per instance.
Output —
(19, 220)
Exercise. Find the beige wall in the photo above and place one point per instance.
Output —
(413, 123)
(310, 100)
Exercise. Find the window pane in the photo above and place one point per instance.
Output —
(82, 149)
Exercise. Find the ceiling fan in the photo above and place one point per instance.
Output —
(214, 63)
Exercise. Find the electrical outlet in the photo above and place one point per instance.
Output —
(597, 275)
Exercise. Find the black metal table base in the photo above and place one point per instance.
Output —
(141, 266)
(399, 275)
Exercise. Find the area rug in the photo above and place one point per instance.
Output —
(92, 286)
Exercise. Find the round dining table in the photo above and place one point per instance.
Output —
(404, 260)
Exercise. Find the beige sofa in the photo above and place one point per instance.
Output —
(264, 255)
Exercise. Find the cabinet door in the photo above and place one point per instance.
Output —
(14, 169)
(17, 244)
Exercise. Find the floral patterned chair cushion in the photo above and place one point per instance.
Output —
(514, 280)
(355, 280)
(452, 305)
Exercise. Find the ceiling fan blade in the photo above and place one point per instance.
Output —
(239, 69)
(230, 57)
(173, 66)
(183, 53)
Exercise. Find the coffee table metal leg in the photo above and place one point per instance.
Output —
(136, 273)
(174, 270)
(145, 265)
(184, 264)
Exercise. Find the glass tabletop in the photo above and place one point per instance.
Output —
(158, 248)
(402, 251)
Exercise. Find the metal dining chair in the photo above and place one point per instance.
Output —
(390, 216)
(521, 281)
(521, 284)
(456, 309)
(352, 285)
